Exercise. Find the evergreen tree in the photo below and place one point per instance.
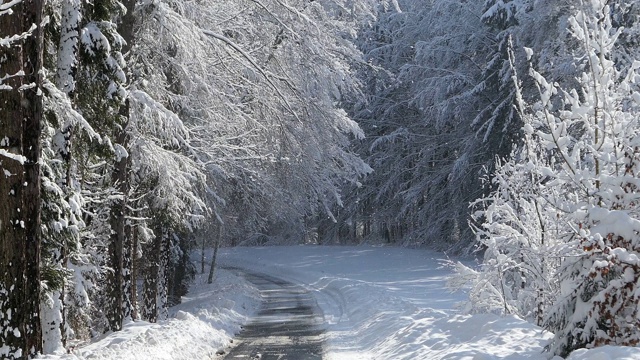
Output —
(21, 106)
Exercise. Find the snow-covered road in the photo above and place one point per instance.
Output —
(391, 303)
(287, 327)
(379, 303)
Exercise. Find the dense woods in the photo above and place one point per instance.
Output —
(133, 132)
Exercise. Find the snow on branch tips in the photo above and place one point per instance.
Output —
(5, 9)
(19, 158)
(153, 117)
(267, 75)
(9, 40)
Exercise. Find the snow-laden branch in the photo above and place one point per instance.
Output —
(267, 76)
(9, 76)
(277, 18)
(60, 103)
(19, 158)
(7, 41)
(5, 9)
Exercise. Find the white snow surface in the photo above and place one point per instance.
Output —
(204, 323)
(378, 303)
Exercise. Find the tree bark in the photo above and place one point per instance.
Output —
(120, 251)
(54, 327)
(163, 276)
(116, 285)
(127, 271)
(135, 263)
(20, 232)
(204, 242)
(151, 284)
(216, 246)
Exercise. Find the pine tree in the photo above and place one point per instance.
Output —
(100, 82)
(61, 213)
(20, 129)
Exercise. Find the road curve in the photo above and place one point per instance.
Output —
(287, 326)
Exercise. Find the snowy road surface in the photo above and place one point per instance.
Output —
(287, 326)
(377, 303)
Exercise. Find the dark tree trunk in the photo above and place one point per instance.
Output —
(127, 272)
(204, 242)
(163, 276)
(216, 246)
(133, 289)
(322, 234)
(151, 284)
(156, 276)
(20, 233)
(67, 63)
(119, 228)
(182, 271)
(120, 247)
(127, 24)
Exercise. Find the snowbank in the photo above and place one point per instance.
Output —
(196, 329)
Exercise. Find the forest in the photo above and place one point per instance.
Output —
(133, 132)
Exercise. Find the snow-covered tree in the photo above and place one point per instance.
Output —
(62, 201)
(594, 138)
(570, 191)
(21, 39)
(287, 153)
(424, 63)
(512, 227)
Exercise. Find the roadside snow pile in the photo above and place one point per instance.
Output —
(204, 323)
(392, 303)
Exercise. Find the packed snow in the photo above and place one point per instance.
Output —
(378, 303)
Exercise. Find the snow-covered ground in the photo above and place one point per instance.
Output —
(378, 303)
(202, 325)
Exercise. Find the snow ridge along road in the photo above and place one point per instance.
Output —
(287, 327)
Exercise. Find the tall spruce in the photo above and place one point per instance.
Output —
(20, 130)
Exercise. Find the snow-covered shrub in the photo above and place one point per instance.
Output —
(596, 141)
(511, 226)
(565, 207)
(517, 275)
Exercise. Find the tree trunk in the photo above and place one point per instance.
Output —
(120, 248)
(127, 274)
(163, 277)
(67, 61)
(202, 254)
(115, 282)
(150, 284)
(20, 232)
(216, 246)
(135, 263)
(54, 317)
(155, 278)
